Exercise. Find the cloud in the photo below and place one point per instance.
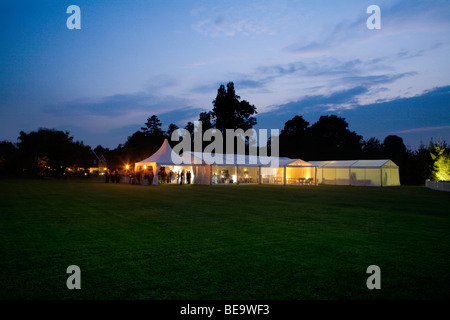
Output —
(423, 129)
(398, 18)
(337, 100)
(222, 26)
(328, 73)
(373, 80)
(254, 18)
(112, 112)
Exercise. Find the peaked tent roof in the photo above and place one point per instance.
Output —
(164, 155)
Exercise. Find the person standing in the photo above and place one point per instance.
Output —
(151, 176)
(188, 177)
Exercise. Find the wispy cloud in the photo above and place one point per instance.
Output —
(423, 129)
(111, 112)
(228, 19)
(398, 18)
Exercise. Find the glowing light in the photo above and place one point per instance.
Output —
(145, 167)
(127, 167)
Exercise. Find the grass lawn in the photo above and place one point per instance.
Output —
(222, 242)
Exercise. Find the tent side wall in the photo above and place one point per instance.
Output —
(329, 176)
(342, 176)
(373, 177)
(390, 177)
(202, 174)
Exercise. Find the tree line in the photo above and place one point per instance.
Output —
(48, 152)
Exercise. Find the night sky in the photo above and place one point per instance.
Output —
(132, 59)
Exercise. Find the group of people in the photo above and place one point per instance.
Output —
(180, 177)
(113, 176)
(147, 176)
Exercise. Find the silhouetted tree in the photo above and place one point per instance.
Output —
(139, 145)
(8, 159)
(172, 127)
(371, 149)
(50, 152)
(190, 128)
(330, 139)
(231, 113)
(293, 140)
(394, 148)
(206, 118)
(153, 127)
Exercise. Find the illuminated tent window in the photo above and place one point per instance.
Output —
(300, 175)
(222, 174)
(272, 175)
(248, 174)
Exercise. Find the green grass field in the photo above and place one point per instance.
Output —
(222, 242)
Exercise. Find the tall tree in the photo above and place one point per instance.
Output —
(293, 140)
(153, 127)
(172, 127)
(206, 118)
(231, 113)
(330, 139)
(372, 148)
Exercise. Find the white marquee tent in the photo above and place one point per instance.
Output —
(243, 169)
(358, 172)
(229, 168)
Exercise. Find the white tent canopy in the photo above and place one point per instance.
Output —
(165, 156)
(358, 172)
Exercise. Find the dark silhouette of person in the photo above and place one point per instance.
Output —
(131, 175)
(151, 176)
(138, 176)
(182, 177)
(106, 176)
(188, 177)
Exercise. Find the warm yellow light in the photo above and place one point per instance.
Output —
(145, 167)
(127, 166)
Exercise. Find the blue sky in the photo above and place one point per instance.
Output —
(132, 59)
